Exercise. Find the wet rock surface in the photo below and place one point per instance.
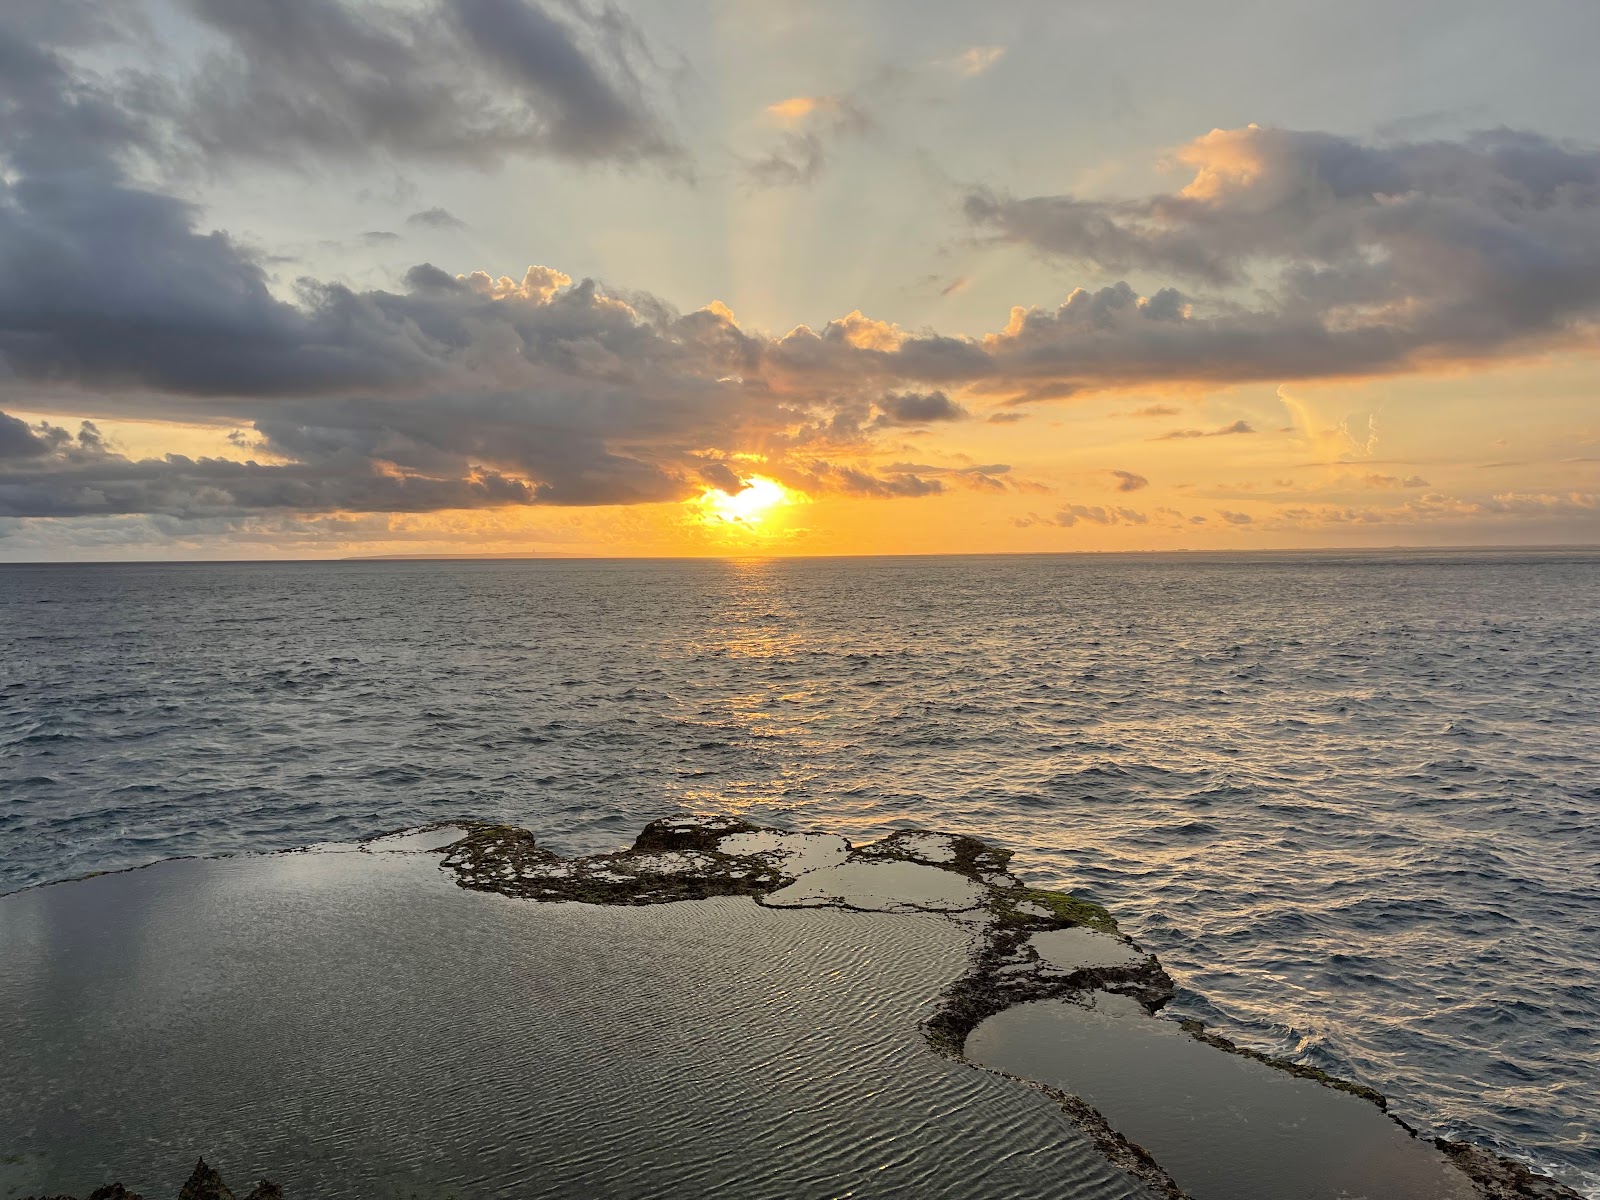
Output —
(1027, 944)
(1500, 1178)
(1031, 944)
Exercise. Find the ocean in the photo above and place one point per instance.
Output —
(1352, 800)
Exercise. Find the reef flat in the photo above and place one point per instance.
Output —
(719, 1009)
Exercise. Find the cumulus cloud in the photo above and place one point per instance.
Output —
(17, 440)
(1127, 481)
(1317, 255)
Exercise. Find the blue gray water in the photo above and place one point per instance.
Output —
(1352, 801)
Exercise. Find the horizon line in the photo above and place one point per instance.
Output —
(1541, 548)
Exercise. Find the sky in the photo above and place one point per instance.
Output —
(329, 278)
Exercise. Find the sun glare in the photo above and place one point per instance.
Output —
(749, 506)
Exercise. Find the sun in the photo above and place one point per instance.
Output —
(749, 506)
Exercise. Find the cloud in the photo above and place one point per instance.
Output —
(436, 218)
(337, 82)
(1154, 410)
(1235, 518)
(800, 154)
(919, 408)
(80, 477)
(471, 389)
(1317, 255)
(1072, 514)
(820, 476)
(1376, 480)
(974, 61)
(1127, 481)
(17, 440)
(987, 477)
(1225, 431)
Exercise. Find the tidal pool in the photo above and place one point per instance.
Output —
(1224, 1127)
(355, 1025)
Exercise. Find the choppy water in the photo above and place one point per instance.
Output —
(1352, 801)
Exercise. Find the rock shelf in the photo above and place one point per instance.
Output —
(1039, 964)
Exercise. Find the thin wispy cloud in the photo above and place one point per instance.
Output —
(975, 60)
(1225, 431)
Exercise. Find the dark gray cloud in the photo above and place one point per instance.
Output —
(295, 82)
(919, 408)
(80, 476)
(1320, 255)
(459, 81)
(17, 440)
(1127, 481)
(436, 218)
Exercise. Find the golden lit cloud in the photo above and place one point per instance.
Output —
(798, 108)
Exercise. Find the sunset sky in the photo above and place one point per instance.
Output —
(317, 278)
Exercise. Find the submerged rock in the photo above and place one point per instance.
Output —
(204, 1183)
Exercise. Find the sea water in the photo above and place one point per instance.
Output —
(1352, 801)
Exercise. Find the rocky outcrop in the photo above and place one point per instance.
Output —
(1501, 1178)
